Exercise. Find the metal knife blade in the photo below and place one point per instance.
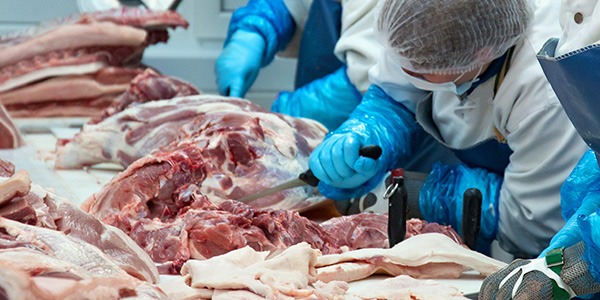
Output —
(307, 177)
(276, 189)
(472, 295)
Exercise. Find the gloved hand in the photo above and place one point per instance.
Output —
(329, 100)
(377, 120)
(580, 195)
(239, 63)
(441, 199)
(532, 279)
(256, 32)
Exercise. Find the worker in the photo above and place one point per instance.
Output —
(570, 265)
(489, 102)
(328, 85)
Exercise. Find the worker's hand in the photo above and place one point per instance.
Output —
(441, 198)
(239, 63)
(337, 162)
(532, 279)
(329, 100)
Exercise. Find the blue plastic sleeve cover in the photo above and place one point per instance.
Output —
(378, 120)
(441, 198)
(329, 100)
(269, 18)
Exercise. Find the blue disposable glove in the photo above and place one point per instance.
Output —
(239, 63)
(580, 195)
(329, 100)
(377, 120)
(441, 199)
(257, 31)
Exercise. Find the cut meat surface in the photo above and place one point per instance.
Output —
(148, 86)
(10, 137)
(36, 206)
(135, 132)
(428, 255)
(406, 287)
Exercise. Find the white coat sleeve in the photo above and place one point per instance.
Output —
(546, 148)
(357, 46)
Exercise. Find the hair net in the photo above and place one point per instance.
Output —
(450, 36)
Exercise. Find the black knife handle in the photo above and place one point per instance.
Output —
(370, 151)
(397, 209)
(471, 219)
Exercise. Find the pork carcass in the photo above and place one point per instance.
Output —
(82, 44)
(81, 95)
(35, 64)
(10, 136)
(65, 267)
(148, 86)
(29, 203)
(427, 255)
(137, 131)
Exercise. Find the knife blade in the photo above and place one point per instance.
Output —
(472, 296)
(307, 177)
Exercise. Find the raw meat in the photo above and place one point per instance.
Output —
(369, 230)
(428, 255)
(10, 137)
(289, 273)
(81, 44)
(137, 131)
(148, 86)
(36, 206)
(191, 226)
(7, 169)
(406, 287)
(47, 254)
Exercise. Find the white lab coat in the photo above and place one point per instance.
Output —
(357, 46)
(578, 35)
(528, 115)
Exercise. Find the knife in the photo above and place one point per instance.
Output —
(307, 177)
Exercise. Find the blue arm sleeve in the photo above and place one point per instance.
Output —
(590, 229)
(441, 199)
(378, 120)
(269, 18)
(329, 100)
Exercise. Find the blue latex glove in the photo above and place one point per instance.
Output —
(255, 33)
(580, 195)
(239, 63)
(441, 199)
(329, 100)
(377, 120)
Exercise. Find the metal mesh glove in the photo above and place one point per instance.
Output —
(529, 279)
(329, 100)
(465, 34)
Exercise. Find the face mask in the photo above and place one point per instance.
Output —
(423, 84)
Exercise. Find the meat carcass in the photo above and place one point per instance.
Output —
(64, 267)
(37, 66)
(145, 87)
(191, 226)
(81, 44)
(34, 205)
(137, 131)
(88, 93)
(10, 136)
(428, 255)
